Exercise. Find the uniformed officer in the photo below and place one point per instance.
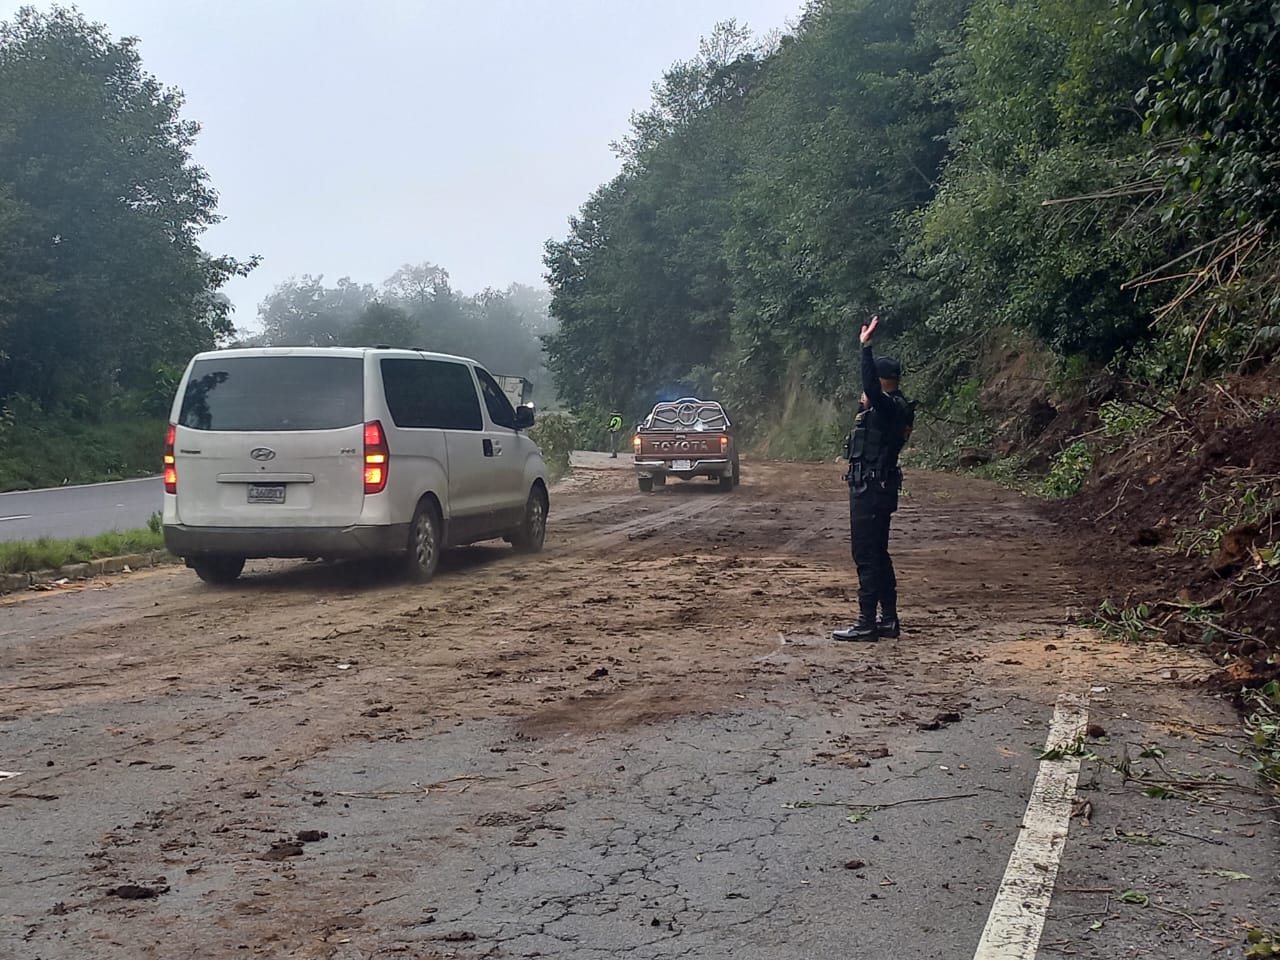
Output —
(881, 430)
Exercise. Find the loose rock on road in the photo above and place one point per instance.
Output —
(640, 743)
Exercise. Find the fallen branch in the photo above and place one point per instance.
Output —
(1138, 281)
(1192, 836)
(1240, 406)
(1129, 190)
(1116, 505)
(1176, 913)
(851, 804)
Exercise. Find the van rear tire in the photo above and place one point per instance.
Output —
(423, 554)
(218, 570)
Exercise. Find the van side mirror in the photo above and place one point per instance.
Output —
(524, 416)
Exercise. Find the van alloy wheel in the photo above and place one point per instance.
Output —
(424, 544)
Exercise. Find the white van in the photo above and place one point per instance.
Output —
(331, 452)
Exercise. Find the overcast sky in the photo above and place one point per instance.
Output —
(347, 137)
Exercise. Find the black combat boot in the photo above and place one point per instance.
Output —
(864, 630)
(887, 625)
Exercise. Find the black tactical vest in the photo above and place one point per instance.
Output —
(872, 447)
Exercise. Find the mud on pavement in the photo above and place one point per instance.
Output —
(640, 743)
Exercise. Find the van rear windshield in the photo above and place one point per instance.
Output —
(274, 394)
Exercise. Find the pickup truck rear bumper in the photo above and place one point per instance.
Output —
(713, 467)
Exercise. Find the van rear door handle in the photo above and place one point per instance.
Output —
(488, 447)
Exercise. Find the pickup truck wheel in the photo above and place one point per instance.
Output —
(646, 484)
(528, 538)
(726, 482)
(423, 555)
(218, 570)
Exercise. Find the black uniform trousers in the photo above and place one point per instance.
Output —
(870, 513)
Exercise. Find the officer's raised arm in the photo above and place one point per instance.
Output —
(876, 397)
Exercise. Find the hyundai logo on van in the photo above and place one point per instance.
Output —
(262, 453)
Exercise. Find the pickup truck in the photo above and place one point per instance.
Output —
(686, 438)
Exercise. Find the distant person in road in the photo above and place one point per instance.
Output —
(883, 425)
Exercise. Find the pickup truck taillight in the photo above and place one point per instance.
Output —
(635, 443)
(724, 444)
(170, 462)
(376, 458)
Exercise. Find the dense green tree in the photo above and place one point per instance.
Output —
(1037, 221)
(1213, 115)
(641, 285)
(102, 276)
(381, 324)
(846, 138)
(304, 312)
(758, 208)
(415, 307)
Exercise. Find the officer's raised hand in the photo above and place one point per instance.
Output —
(868, 331)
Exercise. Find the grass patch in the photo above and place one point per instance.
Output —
(39, 451)
(808, 427)
(45, 554)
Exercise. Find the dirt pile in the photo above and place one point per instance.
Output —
(1179, 526)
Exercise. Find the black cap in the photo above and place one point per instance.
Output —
(888, 368)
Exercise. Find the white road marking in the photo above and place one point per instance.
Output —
(1017, 917)
(9, 774)
(82, 486)
(22, 516)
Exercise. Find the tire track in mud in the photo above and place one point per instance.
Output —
(579, 511)
(698, 507)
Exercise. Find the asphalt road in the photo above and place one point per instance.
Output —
(642, 743)
(84, 511)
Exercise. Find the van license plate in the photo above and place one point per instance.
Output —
(266, 493)
(681, 464)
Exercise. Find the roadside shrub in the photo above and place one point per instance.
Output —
(1068, 473)
(1263, 727)
(557, 435)
(1125, 419)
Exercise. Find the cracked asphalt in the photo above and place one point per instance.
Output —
(641, 743)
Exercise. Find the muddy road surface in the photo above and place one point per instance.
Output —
(641, 743)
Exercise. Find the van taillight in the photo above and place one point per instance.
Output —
(170, 463)
(376, 458)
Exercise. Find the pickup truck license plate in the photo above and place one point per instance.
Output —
(681, 464)
(266, 493)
